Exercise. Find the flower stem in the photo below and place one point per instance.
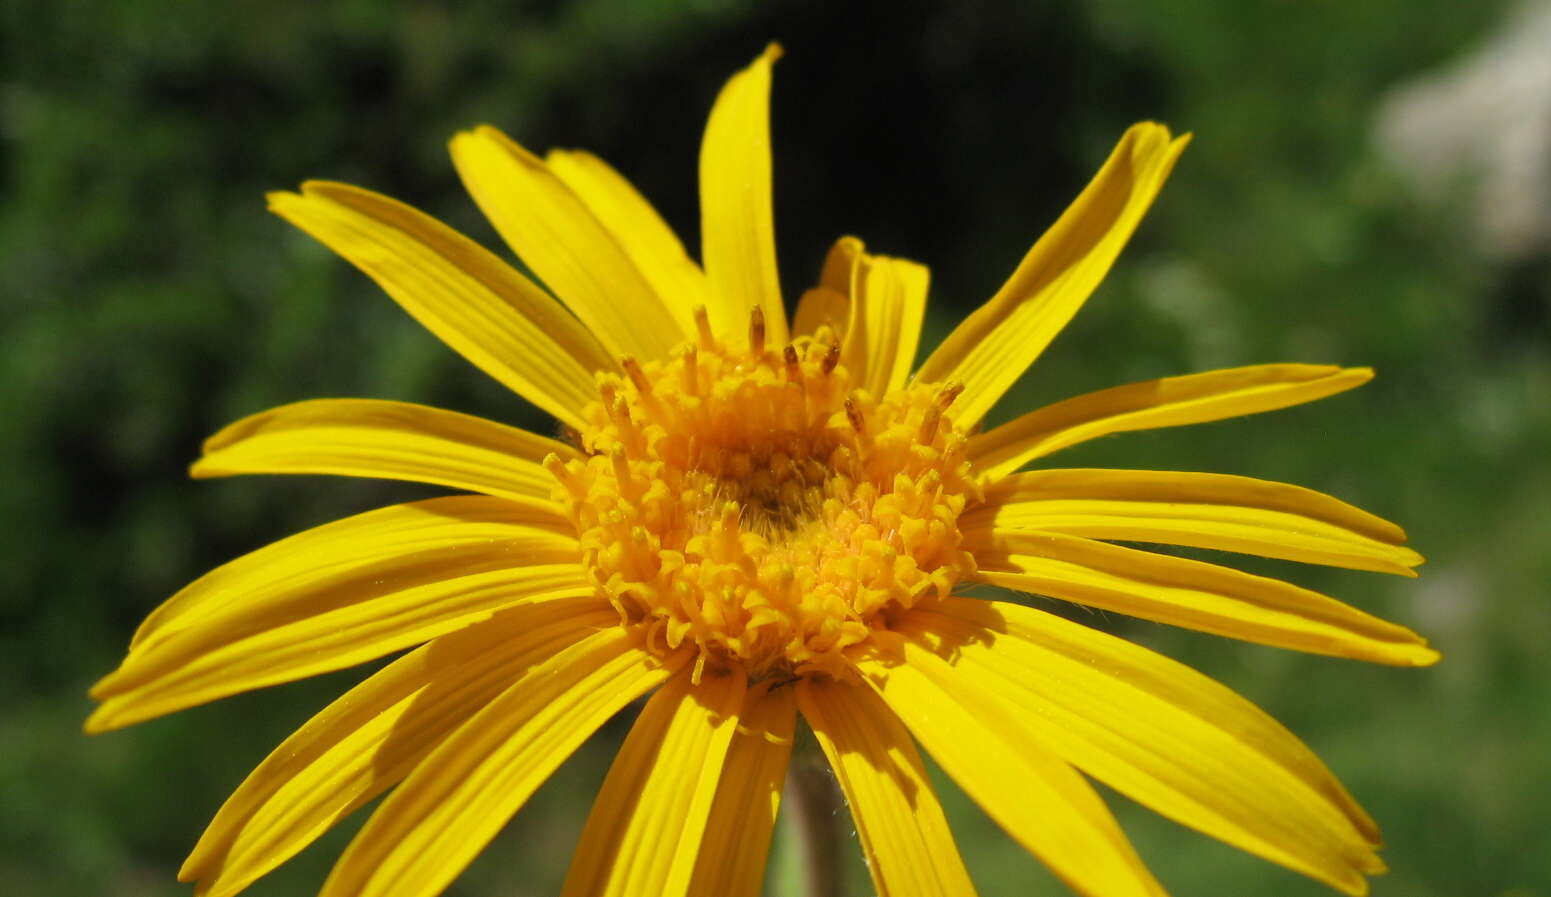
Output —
(815, 802)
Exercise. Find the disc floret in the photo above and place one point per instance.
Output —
(748, 502)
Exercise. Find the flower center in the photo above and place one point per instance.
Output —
(749, 503)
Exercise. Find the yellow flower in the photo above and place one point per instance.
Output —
(753, 519)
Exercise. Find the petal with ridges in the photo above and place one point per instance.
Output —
(389, 440)
(635, 224)
(457, 289)
(265, 645)
(885, 322)
(1193, 594)
(737, 220)
(459, 797)
(408, 544)
(732, 855)
(554, 233)
(1202, 510)
(1150, 404)
(909, 849)
(992, 348)
(1158, 732)
(1044, 804)
(829, 302)
(374, 735)
(648, 820)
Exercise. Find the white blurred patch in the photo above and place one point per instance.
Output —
(1482, 126)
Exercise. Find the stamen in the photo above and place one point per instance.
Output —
(703, 328)
(929, 421)
(854, 415)
(637, 376)
(757, 332)
(557, 469)
(621, 463)
(691, 372)
(793, 368)
(947, 393)
(831, 358)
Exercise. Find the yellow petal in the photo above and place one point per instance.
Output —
(476, 303)
(732, 855)
(737, 222)
(829, 303)
(885, 322)
(1158, 732)
(460, 796)
(391, 440)
(265, 645)
(647, 823)
(990, 350)
(1182, 592)
(424, 541)
(328, 616)
(656, 251)
(554, 233)
(1040, 801)
(905, 837)
(374, 735)
(1166, 402)
(1203, 510)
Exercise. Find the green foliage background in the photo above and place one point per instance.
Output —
(146, 299)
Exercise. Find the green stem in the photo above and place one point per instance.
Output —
(813, 798)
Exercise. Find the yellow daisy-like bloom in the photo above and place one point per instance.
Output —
(754, 519)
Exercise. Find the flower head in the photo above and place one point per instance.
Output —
(753, 519)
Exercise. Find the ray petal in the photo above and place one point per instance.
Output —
(479, 305)
(390, 440)
(635, 224)
(265, 645)
(737, 220)
(1150, 404)
(404, 545)
(1203, 510)
(1193, 594)
(732, 856)
(909, 849)
(460, 796)
(885, 322)
(1159, 732)
(246, 625)
(648, 821)
(828, 303)
(552, 230)
(374, 735)
(992, 348)
(1040, 801)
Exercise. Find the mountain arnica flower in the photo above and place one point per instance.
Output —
(749, 519)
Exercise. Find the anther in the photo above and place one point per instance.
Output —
(621, 466)
(557, 469)
(731, 511)
(831, 358)
(793, 368)
(703, 328)
(637, 376)
(929, 421)
(947, 393)
(854, 415)
(757, 331)
(691, 371)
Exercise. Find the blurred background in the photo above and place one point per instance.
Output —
(1370, 184)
